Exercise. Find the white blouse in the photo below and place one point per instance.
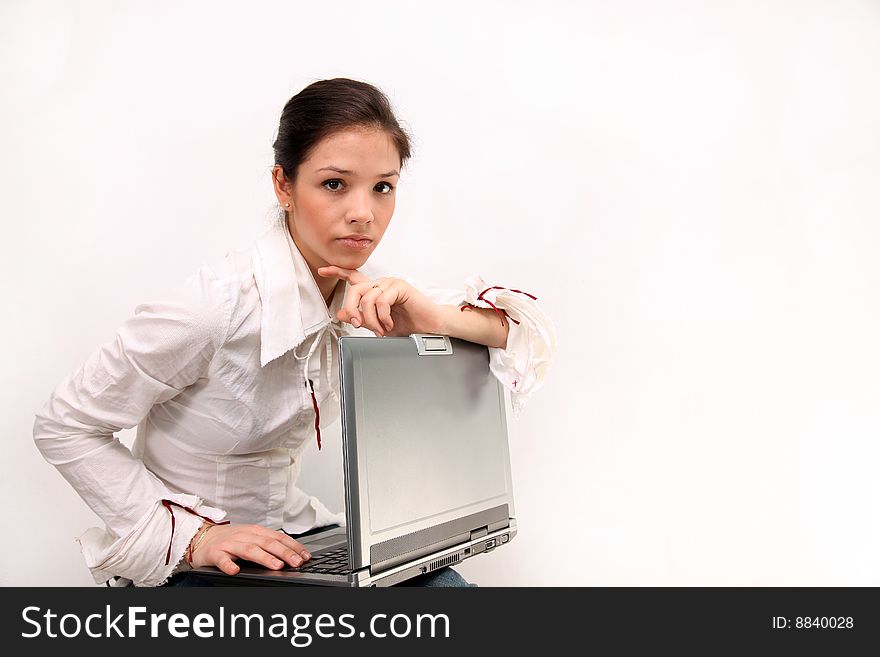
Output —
(219, 378)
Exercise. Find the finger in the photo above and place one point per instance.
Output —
(384, 301)
(294, 545)
(286, 554)
(383, 310)
(353, 276)
(344, 315)
(368, 297)
(283, 541)
(227, 565)
(255, 553)
(349, 311)
(368, 310)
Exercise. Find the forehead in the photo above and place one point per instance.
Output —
(364, 152)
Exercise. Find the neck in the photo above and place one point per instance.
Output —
(327, 286)
(328, 296)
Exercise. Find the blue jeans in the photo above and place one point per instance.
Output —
(443, 577)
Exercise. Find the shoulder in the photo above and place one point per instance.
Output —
(215, 296)
(232, 272)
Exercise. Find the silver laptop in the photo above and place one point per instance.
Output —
(425, 460)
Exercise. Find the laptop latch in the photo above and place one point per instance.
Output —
(479, 533)
(430, 344)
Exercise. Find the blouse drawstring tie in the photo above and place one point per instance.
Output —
(328, 334)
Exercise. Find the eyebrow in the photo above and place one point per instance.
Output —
(347, 172)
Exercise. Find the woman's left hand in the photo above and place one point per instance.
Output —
(386, 306)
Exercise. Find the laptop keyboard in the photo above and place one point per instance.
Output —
(333, 562)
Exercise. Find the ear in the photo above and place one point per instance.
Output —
(282, 187)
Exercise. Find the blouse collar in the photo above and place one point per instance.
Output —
(292, 305)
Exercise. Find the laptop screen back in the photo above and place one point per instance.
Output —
(428, 433)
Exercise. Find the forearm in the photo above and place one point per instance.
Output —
(85, 458)
(479, 325)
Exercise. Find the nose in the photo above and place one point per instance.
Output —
(360, 209)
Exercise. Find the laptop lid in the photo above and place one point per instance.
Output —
(425, 444)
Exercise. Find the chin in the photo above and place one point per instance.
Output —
(353, 261)
(346, 263)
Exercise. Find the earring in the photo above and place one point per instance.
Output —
(287, 205)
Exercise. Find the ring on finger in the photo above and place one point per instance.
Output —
(360, 309)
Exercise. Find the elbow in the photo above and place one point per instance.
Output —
(63, 433)
(57, 443)
(43, 436)
(62, 444)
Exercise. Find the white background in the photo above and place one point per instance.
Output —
(690, 188)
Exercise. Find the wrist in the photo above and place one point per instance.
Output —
(445, 319)
(196, 540)
(479, 325)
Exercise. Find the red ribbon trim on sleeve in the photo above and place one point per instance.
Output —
(498, 310)
(468, 306)
(167, 504)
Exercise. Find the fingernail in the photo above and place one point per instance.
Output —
(278, 563)
(356, 322)
(306, 555)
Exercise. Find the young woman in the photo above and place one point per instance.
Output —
(230, 376)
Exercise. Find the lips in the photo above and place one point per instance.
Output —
(354, 243)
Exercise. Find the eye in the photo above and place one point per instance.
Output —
(332, 182)
(388, 185)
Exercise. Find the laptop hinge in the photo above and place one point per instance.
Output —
(479, 533)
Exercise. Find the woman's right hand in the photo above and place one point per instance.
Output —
(223, 544)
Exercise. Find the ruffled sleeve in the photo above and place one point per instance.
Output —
(523, 364)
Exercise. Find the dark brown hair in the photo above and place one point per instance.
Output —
(328, 106)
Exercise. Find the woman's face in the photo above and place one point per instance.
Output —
(346, 187)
